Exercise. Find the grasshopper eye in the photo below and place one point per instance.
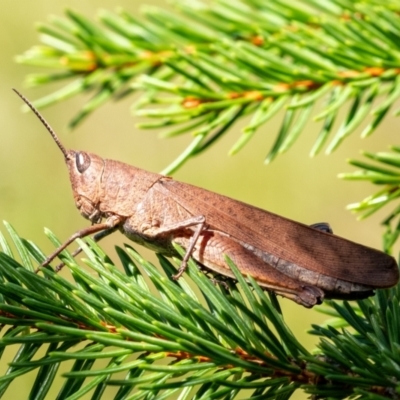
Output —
(82, 161)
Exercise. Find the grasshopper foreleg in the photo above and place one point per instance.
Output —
(108, 226)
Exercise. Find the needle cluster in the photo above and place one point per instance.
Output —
(203, 66)
(119, 334)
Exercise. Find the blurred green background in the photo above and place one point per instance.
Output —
(34, 186)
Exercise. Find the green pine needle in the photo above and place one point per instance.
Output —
(204, 58)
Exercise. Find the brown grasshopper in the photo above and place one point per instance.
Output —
(303, 263)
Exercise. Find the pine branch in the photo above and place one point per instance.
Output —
(172, 342)
(202, 67)
(385, 172)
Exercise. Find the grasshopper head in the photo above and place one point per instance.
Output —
(85, 171)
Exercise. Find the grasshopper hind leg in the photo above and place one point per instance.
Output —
(211, 248)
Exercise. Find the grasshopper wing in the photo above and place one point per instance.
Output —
(285, 239)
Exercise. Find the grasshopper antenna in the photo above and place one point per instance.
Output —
(45, 123)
